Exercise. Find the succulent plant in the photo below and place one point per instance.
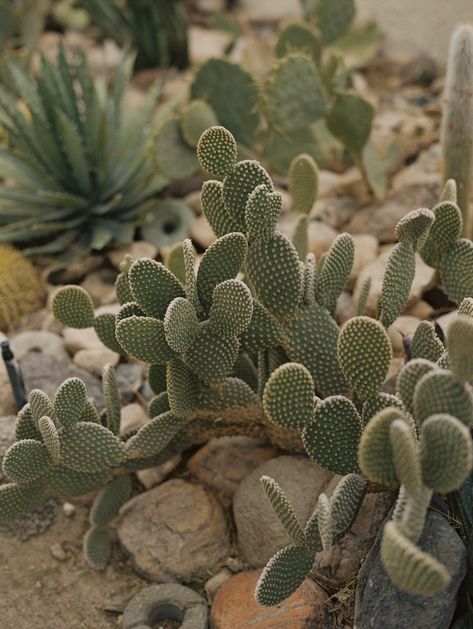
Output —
(247, 344)
(280, 117)
(457, 125)
(82, 165)
(21, 289)
(156, 30)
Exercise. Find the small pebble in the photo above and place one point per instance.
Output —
(57, 551)
(68, 509)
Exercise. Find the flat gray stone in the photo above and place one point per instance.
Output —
(44, 372)
(380, 604)
(169, 601)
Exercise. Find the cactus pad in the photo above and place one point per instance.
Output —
(288, 398)
(73, 307)
(364, 351)
(217, 151)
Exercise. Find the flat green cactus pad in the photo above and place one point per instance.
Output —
(232, 93)
(274, 271)
(331, 439)
(288, 398)
(293, 96)
(73, 307)
(364, 351)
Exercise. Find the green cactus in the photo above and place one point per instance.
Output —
(436, 456)
(294, 74)
(303, 183)
(298, 37)
(247, 345)
(232, 93)
(364, 351)
(330, 520)
(457, 125)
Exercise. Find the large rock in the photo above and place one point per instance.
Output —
(94, 360)
(223, 463)
(260, 534)
(234, 606)
(39, 341)
(380, 604)
(44, 372)
(173, 531)
(380, 219)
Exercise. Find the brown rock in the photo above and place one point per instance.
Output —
(132, 416)
(380, 219)
(234, 606)
(173, 531)
(405, 325)
(223, 463)
(320, 237)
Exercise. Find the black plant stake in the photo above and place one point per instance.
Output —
(14, 375)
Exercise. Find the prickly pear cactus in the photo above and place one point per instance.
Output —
(247, 344)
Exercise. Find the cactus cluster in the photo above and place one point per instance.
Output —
(306, 96)
(81, 166)
(247, 344)
(21, 289)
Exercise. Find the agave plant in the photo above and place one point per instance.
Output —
(157, 30)
(81, 167)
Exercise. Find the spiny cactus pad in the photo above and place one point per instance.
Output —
(303, 183)
(153, 286)
(288, 398)
(73, 307)
(279, 292)
(409, 568)
(331, 439)
(293, 95)
(26, 461)
(283, 574)
(426, 343)
(364, 351)
(439, 392)
(446, 452)
(460, 347)
(217, 151)
(375, 453)
(283, 509)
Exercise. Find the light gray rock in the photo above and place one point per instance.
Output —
(260, 534)
(41, 371)
(169, 601)
(380, 604)
(174, 531)
(38, 341)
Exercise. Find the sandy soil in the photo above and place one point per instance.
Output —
(40, 591)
